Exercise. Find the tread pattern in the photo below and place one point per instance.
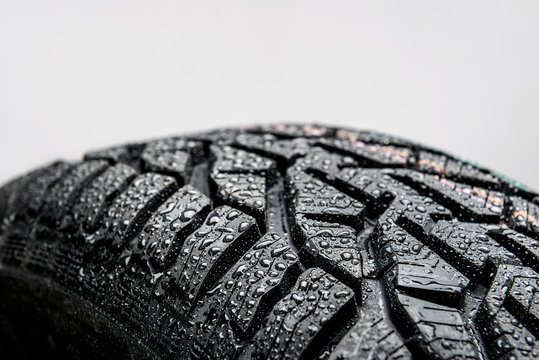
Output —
(477, 252)
(130, 210)
(174, 157)
(242, 178)
(225, 235)
(61, 195)
(296, 320)
(287, 242)
(127, 154)
(446, 167)
(524, 215)
(93, 201)
(508, 316)
(25, 205)
(468, 202)
(33, 196)
(372, 337)
(245, 293)
(440, 327)
(182, 213)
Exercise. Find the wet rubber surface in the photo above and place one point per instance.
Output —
(278, 242)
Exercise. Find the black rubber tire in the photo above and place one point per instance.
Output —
(275, 242)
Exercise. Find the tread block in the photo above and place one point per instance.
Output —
(524, 216)
(247, 192)
(450, 168)
(321, 161)
(94, 198)
(219, 136)
(114, 154)
(62, 194)
(374, 185)
(509, 339)
(293, 130)
(285, 151)
(172, 157)
(297, 321)
(315, 199)
(416, 213)
(370, 154)
(333, 247)
(161, 238)
(382, 192)
(441, 331)
(471, 202)
(231, 160)
(26, 204)
(244, 295)
(33, 195)
(131, 209)
(374, 340)
(526, 248)
(412, 263)
(15, 192)
(502, 283)
(127, 154)
(416, 269)
(508, 318)
(372, 336)
(474, 251)
(368, 136)
(206, 254)
(242, 178)
(523, 297)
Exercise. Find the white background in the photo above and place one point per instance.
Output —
(459, 75)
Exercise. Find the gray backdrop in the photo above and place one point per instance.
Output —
(459, 75)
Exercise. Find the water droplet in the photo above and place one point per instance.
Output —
(187, 215)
